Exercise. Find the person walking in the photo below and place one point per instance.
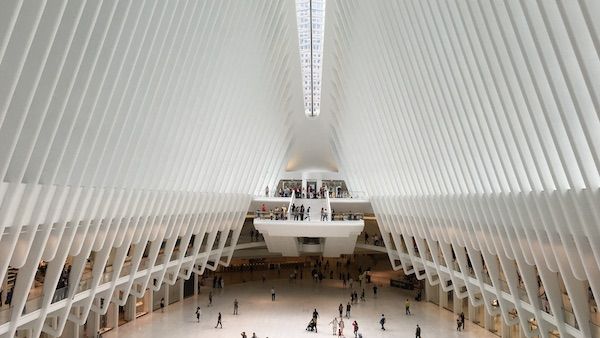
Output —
(458, 323)
(209, 298)
(162, 305)
(418, 332)
(314, 317)
(407, 307)
(198, 313)
(272, 294)
(382, 322)
(362, 295)
(334, 324)
(374, 291)
(462, 320)
(341, 310)
(348, 308)
(219, 321)
(244, 334)
(355, 326)
(236, 306)
(341, 327)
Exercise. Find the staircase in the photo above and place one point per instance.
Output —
(315, 207)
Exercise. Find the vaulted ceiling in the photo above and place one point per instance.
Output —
(470, 123)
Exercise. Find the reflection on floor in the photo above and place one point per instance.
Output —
(289, 315)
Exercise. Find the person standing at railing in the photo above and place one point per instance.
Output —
(302, 212)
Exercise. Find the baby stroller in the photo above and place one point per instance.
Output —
(311, 325)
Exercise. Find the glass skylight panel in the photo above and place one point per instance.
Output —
(311, 42)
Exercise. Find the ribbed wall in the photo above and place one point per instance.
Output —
(474, 127)
(124, 122)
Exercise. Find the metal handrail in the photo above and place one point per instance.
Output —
(348, 216)
(352, 194)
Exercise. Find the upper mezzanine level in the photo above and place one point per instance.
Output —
(306, 218)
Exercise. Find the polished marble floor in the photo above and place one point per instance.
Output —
(288, 316)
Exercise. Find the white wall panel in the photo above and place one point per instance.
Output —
(473, 127)
(132, 123)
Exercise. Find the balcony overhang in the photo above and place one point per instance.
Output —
(336, 237)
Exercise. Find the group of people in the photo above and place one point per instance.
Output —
(9, 294)
(277, 213)
(338, 322)
(338, 327)
(218, 282)
(299, 213)
(254, 235)
(376, 239)
(308, 192)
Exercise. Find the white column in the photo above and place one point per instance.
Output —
(442, 298)
(488, 321)
(179, 284)
(112, 315)
(432, 293)
(304, 177)
(130, 308)
(71, 330)
(505, 331)
(472, 313)
(166, 288)
(457, 304)
(150, 302)
(93, 324)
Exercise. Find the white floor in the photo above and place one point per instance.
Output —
(290, 313)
